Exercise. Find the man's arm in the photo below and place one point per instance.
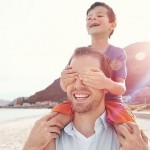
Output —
(51, 145)
(43, 133)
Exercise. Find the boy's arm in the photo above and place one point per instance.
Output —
(116, 87)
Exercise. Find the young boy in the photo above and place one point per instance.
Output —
(100, 23)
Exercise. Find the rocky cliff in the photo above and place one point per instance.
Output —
(52, 93)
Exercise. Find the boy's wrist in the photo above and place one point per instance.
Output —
(109, 84)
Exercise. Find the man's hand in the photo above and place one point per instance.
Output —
(44, 130)
(61, 118)
(135, 139)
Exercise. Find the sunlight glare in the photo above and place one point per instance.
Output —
(140, 56)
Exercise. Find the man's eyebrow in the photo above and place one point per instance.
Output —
(100, 12)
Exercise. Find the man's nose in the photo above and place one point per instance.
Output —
(78, 84)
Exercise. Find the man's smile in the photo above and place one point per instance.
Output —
(81, 96)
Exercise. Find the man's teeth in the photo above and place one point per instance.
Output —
(81, 96)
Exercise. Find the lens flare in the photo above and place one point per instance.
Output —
(140, 56)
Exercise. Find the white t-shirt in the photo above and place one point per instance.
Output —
(82, 142)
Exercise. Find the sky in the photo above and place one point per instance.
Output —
(37, 38)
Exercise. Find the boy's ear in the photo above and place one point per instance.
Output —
(113, 25)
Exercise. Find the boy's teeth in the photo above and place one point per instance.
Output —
(94, 25)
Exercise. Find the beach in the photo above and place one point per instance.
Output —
(13, 134)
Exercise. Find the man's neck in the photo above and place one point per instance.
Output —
(85, 122)
(99, 44)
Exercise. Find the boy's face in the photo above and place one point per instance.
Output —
(84, 98)
(97, 22)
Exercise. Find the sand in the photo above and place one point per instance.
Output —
(14, 134)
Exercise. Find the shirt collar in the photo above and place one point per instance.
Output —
(101, 121)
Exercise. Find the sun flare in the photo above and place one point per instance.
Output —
(140, 56)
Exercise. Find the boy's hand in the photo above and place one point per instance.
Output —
(135, 139)
(68, 76)
(95, 78)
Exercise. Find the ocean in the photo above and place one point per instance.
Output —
(12, 114)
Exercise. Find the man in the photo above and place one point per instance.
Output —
(88, 129)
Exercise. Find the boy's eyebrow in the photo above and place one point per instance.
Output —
(96, 13)
(100, 12)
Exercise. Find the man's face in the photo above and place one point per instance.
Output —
(97, 21)
(83, 98)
